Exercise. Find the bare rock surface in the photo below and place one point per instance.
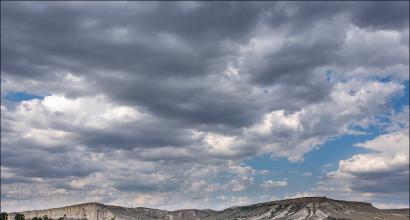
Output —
(312, 208)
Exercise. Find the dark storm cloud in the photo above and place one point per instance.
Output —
(27, 158)
(161, 46)
(63, 45)
(303, 15)
(33, 163)
(144, 185)
(394, 180)
(292, 62)
(16, 179)
(67, 43)
(375, 15)
(297, 60)
(388, 182)
(169, 58)
(148, 135)
(382, 15)
(208, 102)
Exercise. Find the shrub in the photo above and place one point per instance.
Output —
(19, 216)
(3, 216)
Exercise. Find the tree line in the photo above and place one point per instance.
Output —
(19, 216)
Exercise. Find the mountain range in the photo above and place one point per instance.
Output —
(299, 208)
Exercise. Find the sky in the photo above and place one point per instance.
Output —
(177, 105)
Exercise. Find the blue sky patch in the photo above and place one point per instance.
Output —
(21, 96)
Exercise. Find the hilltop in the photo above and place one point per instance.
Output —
(298, 208)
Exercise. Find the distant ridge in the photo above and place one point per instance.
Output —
(318, 199)
(298, 208)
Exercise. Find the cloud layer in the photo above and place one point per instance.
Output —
(160, 103)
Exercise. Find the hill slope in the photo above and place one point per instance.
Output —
(301, 208)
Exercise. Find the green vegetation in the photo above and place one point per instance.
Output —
(19, 216)
(62, 218)
(3, 216)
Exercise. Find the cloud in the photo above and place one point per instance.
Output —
(398, 120)
(307, 174)
(149, 200)
(268, 184)
(241, 184)
(380, 174)
(383, 171)
(391, 16)
(178, 99)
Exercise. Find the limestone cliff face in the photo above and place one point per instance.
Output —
(90, 211)
(310, 208)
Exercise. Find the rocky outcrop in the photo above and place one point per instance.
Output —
(314, 208)
(90, 211)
